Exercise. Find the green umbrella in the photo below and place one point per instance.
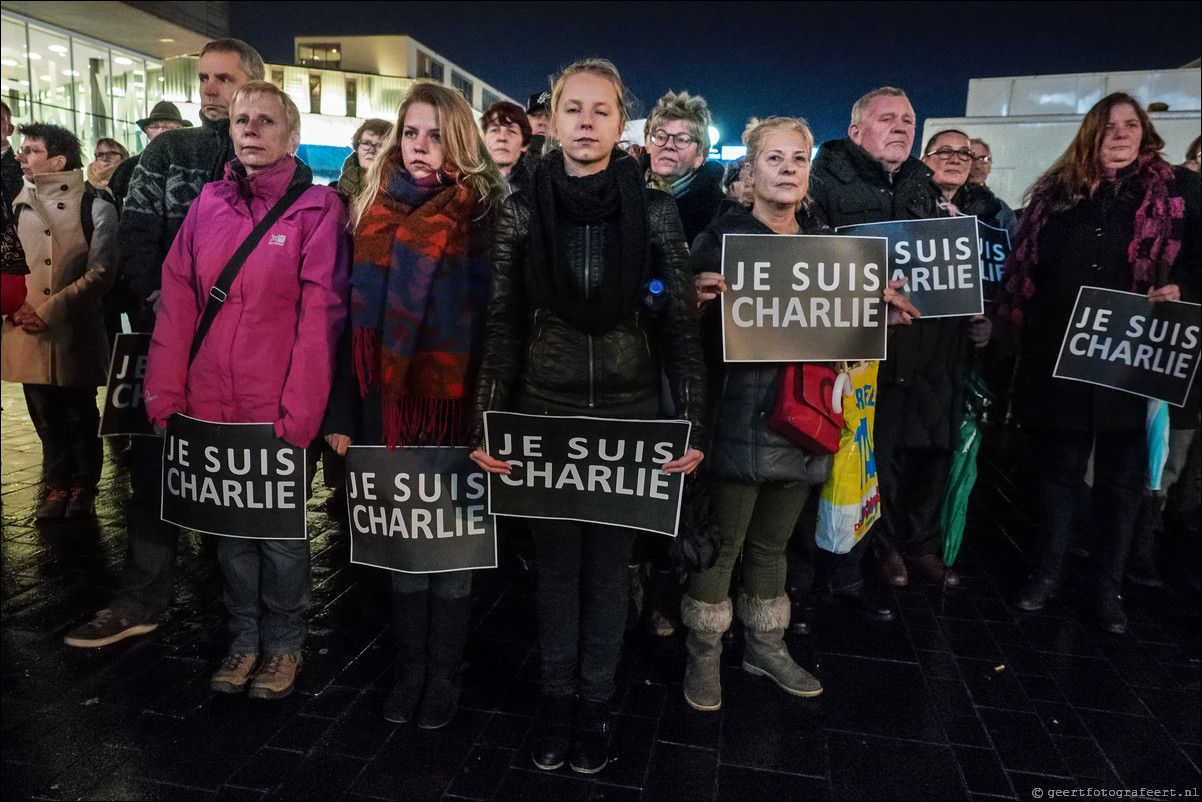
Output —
(963, 474)
(960, 481)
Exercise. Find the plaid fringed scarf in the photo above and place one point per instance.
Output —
(419, 287)
(1159, 228)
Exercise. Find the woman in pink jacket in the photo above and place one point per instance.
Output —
(269, 357)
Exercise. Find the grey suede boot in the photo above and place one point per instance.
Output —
(764, 650)
(706, 624)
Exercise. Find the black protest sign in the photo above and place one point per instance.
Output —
(418, 510)
(802, 298)
(123, 412)
(1124, 341)
(941, 259)
(995, 247)
(597, 470)
(233, 479)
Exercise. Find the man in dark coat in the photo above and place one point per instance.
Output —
(173, 170)
(871, 177)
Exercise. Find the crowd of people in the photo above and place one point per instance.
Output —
(458, 268)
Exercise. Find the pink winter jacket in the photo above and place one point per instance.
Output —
(269, 356)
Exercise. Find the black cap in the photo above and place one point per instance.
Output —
(539, 103)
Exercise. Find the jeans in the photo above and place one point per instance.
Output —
(756, 519)
(68, 424)
(582, 595)
(448, 585)
(266, 586)
(1120, 466)
(146, 577)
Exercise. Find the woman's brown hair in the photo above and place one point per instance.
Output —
(1077, 174)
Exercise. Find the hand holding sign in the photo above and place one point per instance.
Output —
(1169, 292)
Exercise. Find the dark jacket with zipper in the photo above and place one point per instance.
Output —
(921, 384)
(531, 353)
(743, 447)
(1088, 246)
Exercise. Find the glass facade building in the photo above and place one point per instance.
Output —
(48, 74)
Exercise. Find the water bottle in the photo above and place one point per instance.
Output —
(654, 296)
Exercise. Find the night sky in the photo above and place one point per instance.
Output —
(760, 58)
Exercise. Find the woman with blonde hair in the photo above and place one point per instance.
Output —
(419, 288)
(568, 335)
(268, 357)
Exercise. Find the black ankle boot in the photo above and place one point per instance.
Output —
(549, 745)
(409, 616)
(589, 751)
(444, 662)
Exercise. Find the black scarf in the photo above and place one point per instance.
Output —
(614, 194)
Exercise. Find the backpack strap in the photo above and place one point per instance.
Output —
(221, 289)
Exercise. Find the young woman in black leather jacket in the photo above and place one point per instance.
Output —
(567, 335)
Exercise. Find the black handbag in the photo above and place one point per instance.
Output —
(698, 538)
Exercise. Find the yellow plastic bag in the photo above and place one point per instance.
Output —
(851, 500)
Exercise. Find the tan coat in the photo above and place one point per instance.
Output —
(66, 282)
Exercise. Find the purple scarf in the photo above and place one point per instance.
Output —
(1159, 228)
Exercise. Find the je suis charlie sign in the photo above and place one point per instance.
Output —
(803, 298)
(418, 510)
(233, 479)
(1124, 341)
(595, 470)
(940, 258)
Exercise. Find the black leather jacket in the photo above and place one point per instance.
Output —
(531, 352)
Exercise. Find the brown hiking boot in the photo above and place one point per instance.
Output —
(234, 672)
(277, 677)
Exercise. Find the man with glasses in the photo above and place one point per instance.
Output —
(365, 146)
(982, 166)
(871, 177)
(163, 117)
(677, 149)
(171, 174)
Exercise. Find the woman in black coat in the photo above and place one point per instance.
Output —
(1110, 213)
(567, 335)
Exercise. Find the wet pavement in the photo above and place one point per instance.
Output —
(961, 697)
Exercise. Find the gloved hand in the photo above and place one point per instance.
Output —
(979, 330)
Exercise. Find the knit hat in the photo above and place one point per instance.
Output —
(164, 112)
(539, 103)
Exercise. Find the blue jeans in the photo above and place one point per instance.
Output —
(146, 577)
(582, 595)
(266, 586)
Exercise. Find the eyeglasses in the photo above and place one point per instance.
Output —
(28, 151)
(986, 159)
(946, 154)
(372, 147)
(108, 155)
(159, 127)
(661, 137)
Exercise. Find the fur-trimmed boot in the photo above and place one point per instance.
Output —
(707, 623)
(764, 651)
